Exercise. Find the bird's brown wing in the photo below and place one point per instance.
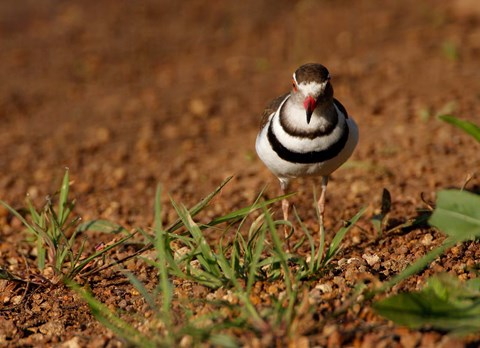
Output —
(272, 107)
(340, 107)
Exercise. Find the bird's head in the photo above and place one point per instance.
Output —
(311, 86)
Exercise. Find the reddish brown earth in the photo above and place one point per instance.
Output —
(129, 94)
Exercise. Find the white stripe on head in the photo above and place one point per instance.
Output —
(313, 88)
(295, 79)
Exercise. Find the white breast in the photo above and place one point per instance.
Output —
(285, 169)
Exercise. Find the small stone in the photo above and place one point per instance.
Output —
(16, 299)
(371, 259)
(53, 328)
(427, 239)
(456, 250)
(335, 339)
(7, 328)
(119, 174)
(171, 131)
(299, 342)
(103, 135)
(430, 339)
(71, 343)
(37, 298)
(272, 289)
(198, 107)
(314, 296)
(122, 304)
(410, 339)
(324, 288)
(186, 341)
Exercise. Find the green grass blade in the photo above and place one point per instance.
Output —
(206, 256)
(24, 222)
(158, 223)
(100, 225)
(41, 254)
(76, 257)
(161, 246)
(142, 290)
(236, 253)
(467, 126)
(418, 265)
(254, 262)
(335, 244)
(456, 214)
(241, 213)
(35, 216)
(54, 230)
(227, 270)
(283, 257)
(311, 243)
(221, 340)
(68, 245)
(199, 206)
(78, 269)
(63, 209)
(109, 319)
(205, 278)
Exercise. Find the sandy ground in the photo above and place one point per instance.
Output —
(128, 95)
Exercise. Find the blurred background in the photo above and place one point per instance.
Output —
(128, 94)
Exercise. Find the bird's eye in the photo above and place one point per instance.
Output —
(294, 85)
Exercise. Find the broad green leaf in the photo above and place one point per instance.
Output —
(445, 304)
(457, 214)
(467, 126)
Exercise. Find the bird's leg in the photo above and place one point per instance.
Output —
(321, 204)
(285, 208)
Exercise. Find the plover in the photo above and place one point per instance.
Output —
(306, 132)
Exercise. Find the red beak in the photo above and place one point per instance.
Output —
(309, 104)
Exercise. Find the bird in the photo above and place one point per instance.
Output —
(306, 132)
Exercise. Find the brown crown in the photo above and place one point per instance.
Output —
(312, 72)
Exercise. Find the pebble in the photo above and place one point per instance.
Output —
(52, 328)
(71, 343)
(427, 239)
(198, 107)
(371, 259)
(324, 288)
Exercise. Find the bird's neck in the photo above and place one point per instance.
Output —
(324, 116)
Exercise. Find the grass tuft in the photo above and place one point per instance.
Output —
(236, 266)
(56, 235)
